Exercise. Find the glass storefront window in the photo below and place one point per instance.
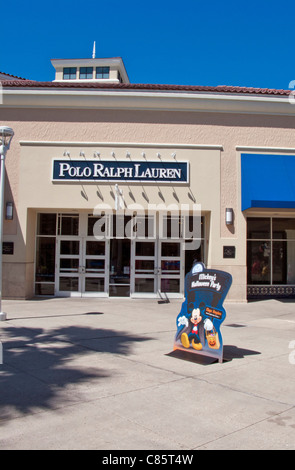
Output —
(258, 261)
(170, 285)
(95, 248)
(119, 291)
(69, 259)
(192, 256)
(145, 249)
(170, 249)
(95, 265)
(171, 226)
(271, 251)
(145, 227)
(69, 265)
(101, 229)
(69, 284)
(170, 265)
(194, 227)
(258, 228)
(283, 229)
(144, 285)
(119, 268)
(94, 284)
(45, 259)
(120, 225)
(69, 247)
(46, 224)
(143, 266)
(45, 254)
(283, 254)
(69, 224)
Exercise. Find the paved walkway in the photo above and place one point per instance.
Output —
(99, 374)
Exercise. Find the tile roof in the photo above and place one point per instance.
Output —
(8, 76)
(20, 83)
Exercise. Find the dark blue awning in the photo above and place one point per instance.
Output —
(268, 181)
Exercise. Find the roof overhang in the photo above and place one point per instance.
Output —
(52, 95)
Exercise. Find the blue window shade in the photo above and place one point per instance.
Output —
(268, 181)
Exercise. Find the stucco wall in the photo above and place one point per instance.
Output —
(227, 130)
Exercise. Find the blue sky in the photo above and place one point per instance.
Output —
(185, 43)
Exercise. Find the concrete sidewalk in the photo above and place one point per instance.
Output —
(98, 374)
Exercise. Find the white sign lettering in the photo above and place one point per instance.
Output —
(91, 170)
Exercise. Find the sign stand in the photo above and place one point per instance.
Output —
(202, 313)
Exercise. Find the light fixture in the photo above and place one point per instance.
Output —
(96, 154)
(143, 154)
(9, 211)
(82, 154)
(113, 154)
(6, 134)
(173, 155)
(229, 216)
(128, 155)
(66, 153)
(159, 155)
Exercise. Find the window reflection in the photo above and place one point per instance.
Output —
(271, 251)
(258, 262)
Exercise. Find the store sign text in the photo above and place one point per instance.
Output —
(91, 170)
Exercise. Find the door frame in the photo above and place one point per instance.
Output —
(164, 274)
(147, 273)
(158, 273)
(81, 272)
(70, 274)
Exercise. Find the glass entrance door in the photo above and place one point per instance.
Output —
(158, 268)
(133, 257)
(171, 268)
(68, 279)
(95, 262)
(119, 272)
(144, 260)
(80, 267)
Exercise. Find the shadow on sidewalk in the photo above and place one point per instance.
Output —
(39, 365)
(229, 353)
(233, 352)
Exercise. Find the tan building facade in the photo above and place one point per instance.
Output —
(117, 130)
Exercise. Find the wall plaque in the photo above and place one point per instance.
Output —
(7, 248)
(229, 252)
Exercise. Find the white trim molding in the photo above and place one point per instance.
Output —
(247, 148)
(31, 143)
(139, 100)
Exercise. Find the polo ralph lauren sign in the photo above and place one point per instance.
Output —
(114, 171)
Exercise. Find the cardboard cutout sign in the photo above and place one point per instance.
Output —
(202, 312)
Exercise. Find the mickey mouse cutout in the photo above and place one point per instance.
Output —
(202, 312)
